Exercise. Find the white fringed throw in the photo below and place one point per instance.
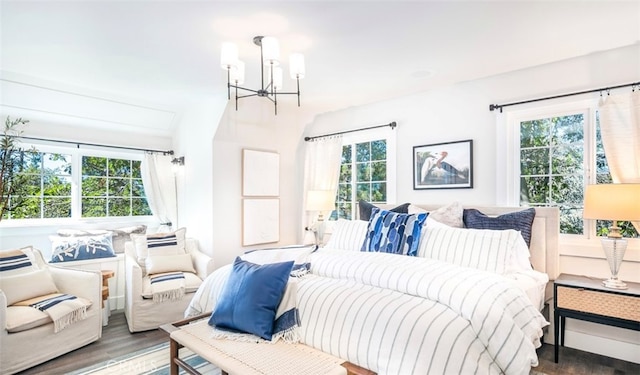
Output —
(168, 286)
(285, 326)
(63, 309)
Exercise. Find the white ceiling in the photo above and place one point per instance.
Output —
(166, 53)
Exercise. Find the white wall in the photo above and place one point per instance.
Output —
(254, 126)
(462, 112)
(195, 185)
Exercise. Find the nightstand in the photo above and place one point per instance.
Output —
(585, 298)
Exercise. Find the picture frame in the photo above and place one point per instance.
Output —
(447, 165)
(260, 173)
(260, 221)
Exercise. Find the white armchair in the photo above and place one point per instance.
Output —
(32, 346)
(141, 311)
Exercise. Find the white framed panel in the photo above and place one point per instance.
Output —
(260, 221)
(260, 173)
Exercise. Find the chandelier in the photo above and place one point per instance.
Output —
(269, 58)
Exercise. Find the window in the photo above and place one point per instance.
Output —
(71, 183)
(366, 172)
(559, 152)
(112, 187)
(46, 187)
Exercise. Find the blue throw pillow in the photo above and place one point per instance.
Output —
(392, 232)
(520, 221)
(67, 249)
(251, 297)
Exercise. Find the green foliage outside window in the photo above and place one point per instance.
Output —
(363, 176)
(112, 187)
(552, 170)
(45, 192)
(109, 187)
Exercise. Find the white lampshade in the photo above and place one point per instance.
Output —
(277, 78)
(296, 65)
(236, 75)
(619, 202)
(270, 50)
(228, 55)
(320, 200)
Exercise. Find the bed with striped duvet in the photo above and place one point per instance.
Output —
(406, 315)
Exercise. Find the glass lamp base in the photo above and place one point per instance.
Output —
(614, 249)
(614, 284)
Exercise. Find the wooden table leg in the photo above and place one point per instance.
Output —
(173, 353)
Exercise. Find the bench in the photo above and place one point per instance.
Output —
(248, 358)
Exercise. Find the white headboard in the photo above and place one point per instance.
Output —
(544, 233)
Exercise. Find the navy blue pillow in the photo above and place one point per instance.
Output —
(251, 297)
(66, 249)
(520, 221)
(365, 208)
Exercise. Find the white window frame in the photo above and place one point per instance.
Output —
(76, 180)
(389, 135)
(508, 169)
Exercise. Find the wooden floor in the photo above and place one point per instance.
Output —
(117, 341)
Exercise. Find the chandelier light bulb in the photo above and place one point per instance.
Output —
(296, 65)
(237, 73)
(228, 55)
(270, 50)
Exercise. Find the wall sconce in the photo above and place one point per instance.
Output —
(178, 162)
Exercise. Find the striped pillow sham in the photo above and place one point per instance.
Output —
(488, 250)
(172, 243)
(348, 235)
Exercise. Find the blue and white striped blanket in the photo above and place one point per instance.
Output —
(405, 315)
(63, 309)
(167, 286)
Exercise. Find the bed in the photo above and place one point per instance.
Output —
(395, 314)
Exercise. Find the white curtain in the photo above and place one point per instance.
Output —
(160, 188)
(321, 169)
(620, 127)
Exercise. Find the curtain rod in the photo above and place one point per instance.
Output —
(78, 144)
(391, 124)
(499, 106)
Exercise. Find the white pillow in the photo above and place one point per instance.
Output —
(297, 254)
(172, 243)
(521, 260)
(348, 235)
(450, 214)
(433, 223)
(17, 261)
(169, 263)
(488, 250)
(23, 286)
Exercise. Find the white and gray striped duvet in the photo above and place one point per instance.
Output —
(404, 315)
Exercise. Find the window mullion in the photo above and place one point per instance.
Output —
(76, 185)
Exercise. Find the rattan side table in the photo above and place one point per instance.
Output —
(585, 298)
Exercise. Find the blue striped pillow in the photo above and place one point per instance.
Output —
(18, 261)
(171, 243)
(392, 232)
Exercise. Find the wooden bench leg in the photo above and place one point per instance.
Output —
(173, 354)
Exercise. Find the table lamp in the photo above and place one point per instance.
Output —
(616, 202)
(320, 201)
